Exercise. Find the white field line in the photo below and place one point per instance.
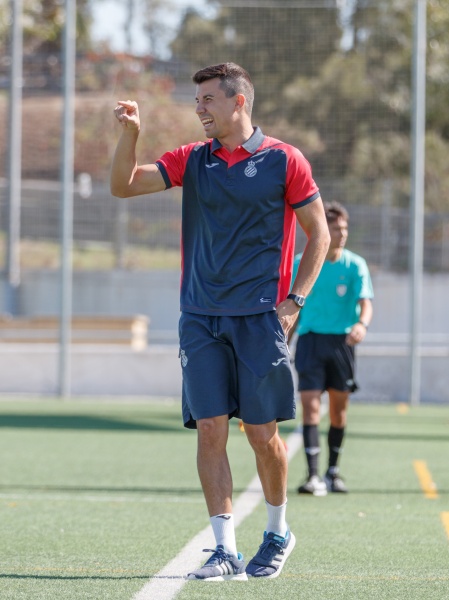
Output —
(169, 581)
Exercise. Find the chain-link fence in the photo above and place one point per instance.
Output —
(331, 77)
(379, 233)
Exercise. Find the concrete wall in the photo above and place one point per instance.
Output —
(118, 293)
(156, 294)
(112, 371)
(99, 370)
(95, 370)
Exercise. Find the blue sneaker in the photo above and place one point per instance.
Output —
(221, 566)
(271, 556)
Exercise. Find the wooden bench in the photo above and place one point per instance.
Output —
(132, 331)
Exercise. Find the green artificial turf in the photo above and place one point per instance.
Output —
(97, 497)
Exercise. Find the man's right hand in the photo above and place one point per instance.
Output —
(127, 113)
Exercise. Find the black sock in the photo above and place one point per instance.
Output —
(335, 442)
(311, 447)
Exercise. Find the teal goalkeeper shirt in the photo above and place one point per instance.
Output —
(333, 304)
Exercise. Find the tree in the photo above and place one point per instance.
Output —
(274, 44)
(155, 24)
(338, 88)
(389, 28)
(43, 21)
(359, 100)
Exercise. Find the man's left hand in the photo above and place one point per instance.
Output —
(287, 312)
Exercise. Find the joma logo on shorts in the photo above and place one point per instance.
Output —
(278, 362)
(184, 359)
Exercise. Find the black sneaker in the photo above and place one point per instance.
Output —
(313, 485)
(334, 483)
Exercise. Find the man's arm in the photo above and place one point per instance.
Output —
(127, 177)
(313, 222)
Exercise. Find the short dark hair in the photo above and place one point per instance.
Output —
(233, 80)
(334, 210)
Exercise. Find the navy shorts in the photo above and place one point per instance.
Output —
(325, 361)
(235, 366)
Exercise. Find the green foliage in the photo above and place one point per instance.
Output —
(346, 104)
(261, 41)
(43, 22)
(339, 88)
(437, 67)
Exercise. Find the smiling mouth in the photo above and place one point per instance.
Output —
(206, 122)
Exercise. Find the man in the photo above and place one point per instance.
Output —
(241, 192)
(335, 318)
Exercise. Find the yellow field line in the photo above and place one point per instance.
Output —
(445, 520)
(425, 479)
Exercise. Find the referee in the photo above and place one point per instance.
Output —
(335, 318)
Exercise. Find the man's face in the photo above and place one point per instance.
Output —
(216, 112)
(339, 233)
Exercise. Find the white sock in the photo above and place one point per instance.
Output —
(224, 531)
(276, 519)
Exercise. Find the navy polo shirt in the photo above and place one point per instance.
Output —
(238, 222)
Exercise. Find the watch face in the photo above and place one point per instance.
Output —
(298, 300)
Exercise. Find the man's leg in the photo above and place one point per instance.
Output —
(311, 403)
(271, 461)
(272, 467)
(216, 480)
(213, 464)
(338, 406)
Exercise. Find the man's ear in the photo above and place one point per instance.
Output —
(240, 102)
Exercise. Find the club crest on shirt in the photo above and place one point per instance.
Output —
(250, 170)
(341, 290)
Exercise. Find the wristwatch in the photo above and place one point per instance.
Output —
(298, 300)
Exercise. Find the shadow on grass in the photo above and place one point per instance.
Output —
(387, 492)
(180, 491)
(75, 577)
(396, 437)
(45, 489)
(392, 436)
(84, 422)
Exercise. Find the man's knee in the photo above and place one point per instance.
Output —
(262, 437)
(213, 432)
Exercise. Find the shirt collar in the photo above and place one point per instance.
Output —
(255, 141)
(251, 145)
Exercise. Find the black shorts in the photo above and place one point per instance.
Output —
(237, 366)
(325, 361)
